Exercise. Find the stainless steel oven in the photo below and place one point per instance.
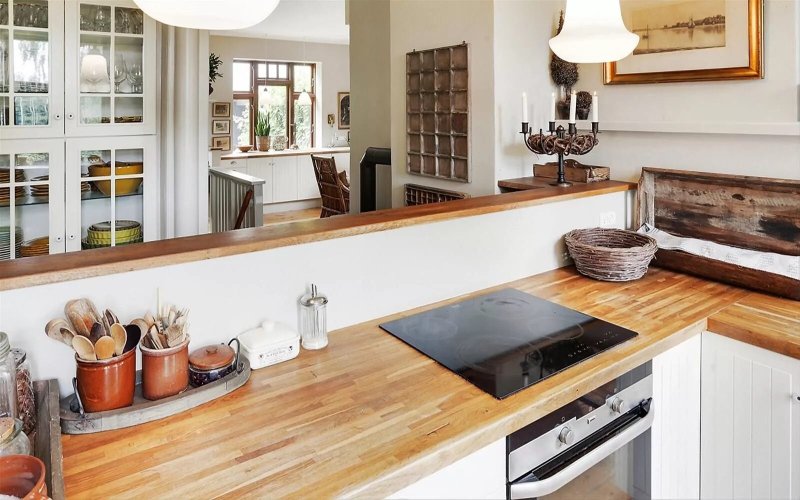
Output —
(597, 446)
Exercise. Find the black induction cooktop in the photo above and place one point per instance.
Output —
(508, 340)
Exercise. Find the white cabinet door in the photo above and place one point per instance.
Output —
(31, 69)
(750, 421)
(284, 178)
(263, 169)
(675, 435)
(481, 475)
(127, 192)
(31, 197)
(307, 188)
(110, 70)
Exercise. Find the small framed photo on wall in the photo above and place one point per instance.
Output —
(220, 109)
(223, 143)
(220, 127)
(343, 98)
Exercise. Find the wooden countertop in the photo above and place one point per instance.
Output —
(34, 271)
(369, 415)
(286, 152)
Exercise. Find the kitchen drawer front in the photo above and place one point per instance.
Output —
(238, 165)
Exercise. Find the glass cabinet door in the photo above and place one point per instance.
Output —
(110, 86)
(31, 198)
(31, 62)
(110, 199)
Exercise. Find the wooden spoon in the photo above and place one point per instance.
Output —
(53, 330)
(83, 346)
(104, 348)
(68, 335)
(120, 337)
(134, 335)
(97, 332)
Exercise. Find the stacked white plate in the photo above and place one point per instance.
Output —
(5, 242)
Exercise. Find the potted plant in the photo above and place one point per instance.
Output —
(214, 62)
(565, 75)
(583, 103)
(262, 130)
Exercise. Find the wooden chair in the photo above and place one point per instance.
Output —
(334, 190)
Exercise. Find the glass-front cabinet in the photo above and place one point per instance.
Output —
(100, 197)
(31, 68)
(78, 156)
(110, 70)
(31, 198)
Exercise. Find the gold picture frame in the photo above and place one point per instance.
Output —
(754, 69)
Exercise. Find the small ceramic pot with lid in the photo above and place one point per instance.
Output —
(212, 362)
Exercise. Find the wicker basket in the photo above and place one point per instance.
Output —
(610, 254)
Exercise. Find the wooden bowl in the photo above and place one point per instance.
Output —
(23, 477)
(124, 186)
(245, 149)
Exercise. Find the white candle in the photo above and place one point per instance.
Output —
(595, 107)
(573, 100)
(524, 107)
(553, 107)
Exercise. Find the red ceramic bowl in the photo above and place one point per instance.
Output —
(23, 477)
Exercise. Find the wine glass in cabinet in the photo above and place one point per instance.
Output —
(110, 70)
(31, 68)
(111, 195)
(31, 198)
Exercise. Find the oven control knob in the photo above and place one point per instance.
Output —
(619, 405)
(566, 436)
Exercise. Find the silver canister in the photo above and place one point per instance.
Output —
(314, 320)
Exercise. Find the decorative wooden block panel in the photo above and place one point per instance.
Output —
(437, 107)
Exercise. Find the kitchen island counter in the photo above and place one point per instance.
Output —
(369, 415)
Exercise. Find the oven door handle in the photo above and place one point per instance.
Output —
(536, 489)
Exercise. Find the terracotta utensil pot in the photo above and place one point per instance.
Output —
(165, 372)
(107, 385)
(23, 477)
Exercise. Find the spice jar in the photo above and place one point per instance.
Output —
(8, 375)
(26, 401)
(313, 320)
(12, 440)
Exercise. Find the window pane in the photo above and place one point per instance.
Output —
(283, 72)
(302, 78)
(273, 71)
(241, 77)
(302, 124)
(262, 70)
(241, 122)
(273, 99)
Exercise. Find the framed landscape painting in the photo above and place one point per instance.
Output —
(690, 40)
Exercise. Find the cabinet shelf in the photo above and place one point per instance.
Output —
(28, 200)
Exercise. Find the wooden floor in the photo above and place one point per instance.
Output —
(291, 216)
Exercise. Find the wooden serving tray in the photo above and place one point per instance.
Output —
(756, 213)
(46, 439)
(144, 410)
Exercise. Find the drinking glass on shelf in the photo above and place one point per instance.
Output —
(101, 21)
(136, 78)
(120, 74)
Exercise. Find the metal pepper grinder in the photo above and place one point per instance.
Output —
(314, 319)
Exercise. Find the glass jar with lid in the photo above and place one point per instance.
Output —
(12, 440)
(26, 400)
(8, 376)
(313, 320)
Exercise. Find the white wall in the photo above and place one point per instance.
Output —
(333, 72)
(742, 107)
(375, 274)
(437, 23)
(369, 89)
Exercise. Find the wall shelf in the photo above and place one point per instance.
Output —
(735, 128)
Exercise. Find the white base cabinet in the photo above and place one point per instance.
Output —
(481, 475)
(288, 178)
(750, 421)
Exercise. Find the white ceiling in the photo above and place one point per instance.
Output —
(301, 20)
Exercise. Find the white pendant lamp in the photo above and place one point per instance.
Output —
(208, 14)
(304, 99)
(593, 32)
